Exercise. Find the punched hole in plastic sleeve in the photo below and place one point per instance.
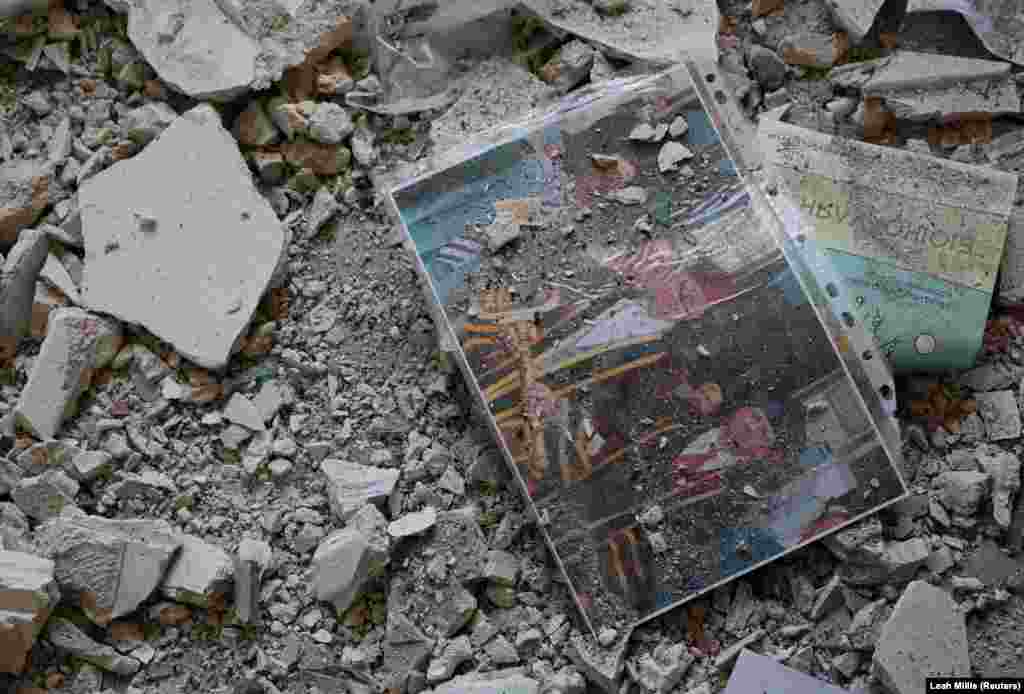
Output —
(797, 228)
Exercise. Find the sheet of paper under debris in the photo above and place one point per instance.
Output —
(917, 240)
(761, 673)
(673, 408)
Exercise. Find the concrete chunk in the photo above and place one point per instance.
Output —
(107, 566)
(601, 667)
(67, 637)
(18, 286)
(342, 564)
(920, 86)
(195, 294)
(199, 571)
(253, 559)
(855, 17)
(351, 485)
(193, 47)
(143, 124)
(56, 275)
(76, 343)
(924, 637)
(1004, 469)
(28, 593)
(1000, 413)
(242, 411)
(569, 66)
(45, 496)
(962, 490)
(24, 194)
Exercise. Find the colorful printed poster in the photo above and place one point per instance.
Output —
(670, 404)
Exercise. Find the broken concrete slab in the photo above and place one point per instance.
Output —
(252, 560)
(193, 46)
(17, 288)
(923, 86)
(855, 17)
(67, 637)
(77, 343)
(199, 571)
(924, 637)
(350, 485)
(28, 593)
(204, 184)
(108, 567)
(342, 564)
(997, 23)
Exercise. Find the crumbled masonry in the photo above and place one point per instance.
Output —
(239, 450)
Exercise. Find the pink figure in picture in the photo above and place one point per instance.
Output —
(674, 381)
(675, 293)
(747, 436)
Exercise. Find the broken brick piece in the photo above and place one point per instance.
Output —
(761, 8)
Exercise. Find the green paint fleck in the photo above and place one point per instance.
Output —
(663, 208)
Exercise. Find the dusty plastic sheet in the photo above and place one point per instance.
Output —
(917, 240)
(682, 370)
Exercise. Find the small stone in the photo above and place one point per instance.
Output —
(343, 562)
(351, 485)
(644, 132)
(607, 637)
(456, 652)
(330, 124)
(962, 491)
(678, 127)
(412, 524)
(768, 67)
(672, 154)
(630, 195)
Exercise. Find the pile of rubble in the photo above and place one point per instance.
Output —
(232, 459)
